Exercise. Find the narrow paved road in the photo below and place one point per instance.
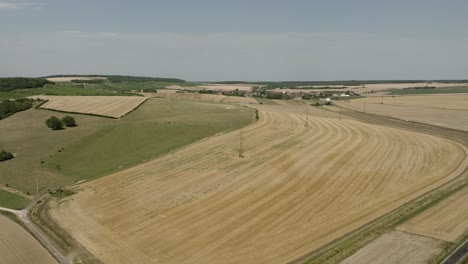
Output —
(37, 233)
(457, 255)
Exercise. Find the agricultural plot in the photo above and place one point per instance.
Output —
(26, 135)
(17, 246)
(157, 127)
(111, 106)
(296, 189)
(447, 220)
(397, 247)
(448, 110)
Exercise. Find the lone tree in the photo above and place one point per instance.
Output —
(54, 123)
(5, 155)
(69, 121)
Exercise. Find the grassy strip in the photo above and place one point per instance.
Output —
(344, 247)
(40, 216)
(13, 201)
(13, 217)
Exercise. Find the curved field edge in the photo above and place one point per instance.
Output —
(346, 246)
(40, 214)
(425, 188)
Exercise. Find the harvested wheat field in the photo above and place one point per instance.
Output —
(192, 96)
(448, 110)
(239, 99)
(447, 220)
(395, 248)
(17, 246)
(296, 189)
(111, 106)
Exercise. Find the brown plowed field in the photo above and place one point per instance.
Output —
(396, 248)
(112, 106)
(17, 246)
(447, 220)
(447, 110)
(297, 189)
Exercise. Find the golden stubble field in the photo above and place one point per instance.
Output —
(17, 246)
(296, 189)
(447, 110)
(112, 106)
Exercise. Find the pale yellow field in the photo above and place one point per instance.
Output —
(395, 248)
(448, 110)
(207, 97)
(448, 220)
(68, 79)
(17, 246)
(239, 99)
(296, 189)
(112, 106)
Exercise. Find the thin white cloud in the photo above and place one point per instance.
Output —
(15, 5)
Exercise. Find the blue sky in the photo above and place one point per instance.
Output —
(236, 40)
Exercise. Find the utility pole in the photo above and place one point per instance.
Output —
(307, 116)
(382, 100)
(240, 145)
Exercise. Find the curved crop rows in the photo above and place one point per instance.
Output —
(296, 189)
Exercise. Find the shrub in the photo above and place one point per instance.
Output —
(69, 121)
(54, 123)
(5, 155)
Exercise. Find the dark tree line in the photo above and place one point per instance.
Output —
(124, 78)
(16, 83)
(7, 107)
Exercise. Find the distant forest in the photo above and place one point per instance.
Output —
(292, 84)
(16, 83)
(124, 78)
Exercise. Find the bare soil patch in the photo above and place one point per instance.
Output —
(397, 247)
(447, 220)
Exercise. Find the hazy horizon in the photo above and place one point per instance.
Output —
(240, 41)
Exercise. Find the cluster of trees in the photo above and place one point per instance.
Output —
(16, 83)
(57, 124)
(8, 108)
(124, 78)
(5, 155)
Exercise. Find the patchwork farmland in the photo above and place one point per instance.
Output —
(296, 189)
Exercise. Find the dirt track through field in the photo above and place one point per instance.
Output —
(112, 106)
(297, 189)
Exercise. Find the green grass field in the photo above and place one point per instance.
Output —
(12, 201)
(26, 135)
(443, 90)
(98, 146)
(157, 127)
